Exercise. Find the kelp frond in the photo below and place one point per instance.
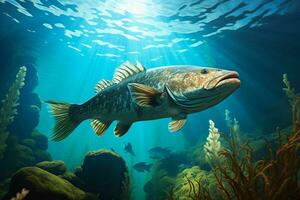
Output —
(8, 109)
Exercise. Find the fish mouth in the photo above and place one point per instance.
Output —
(231, 78)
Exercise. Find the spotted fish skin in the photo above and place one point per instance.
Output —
(137, 94)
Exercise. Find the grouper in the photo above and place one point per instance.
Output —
(136, 94)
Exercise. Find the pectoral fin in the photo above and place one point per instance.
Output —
(144, 95)
(99, 127)
(121, 129)
(176, 124)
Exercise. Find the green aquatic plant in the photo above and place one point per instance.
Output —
(228, 119)
(289, 90)
(239, 176)
(192, 184)
(8, 109)
(293, 100)
(212, 145)
(274, 177)
(233, 125)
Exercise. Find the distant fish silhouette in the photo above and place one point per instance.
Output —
(159, 152)
(128, 148)
(142, 167)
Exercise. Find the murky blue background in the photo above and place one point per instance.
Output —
(77, 43)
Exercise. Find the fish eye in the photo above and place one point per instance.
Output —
(204, 71)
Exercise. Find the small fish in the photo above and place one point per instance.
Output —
(142, 167)
(128, 148)
(136, 94)
(159, 152)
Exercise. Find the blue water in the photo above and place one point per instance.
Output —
(77, 43)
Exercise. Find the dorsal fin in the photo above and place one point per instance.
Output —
(126, 70)
(102, 84)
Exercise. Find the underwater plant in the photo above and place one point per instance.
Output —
(192, 183)
(274, 177)
(212, 145)
(8, 109)
(289, 90)
(21, 195)
(126, 188)
(239, 176)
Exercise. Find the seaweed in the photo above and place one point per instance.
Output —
(289, 90)
(272, 178)
(212, 145)
(8, 109)
(239, 176)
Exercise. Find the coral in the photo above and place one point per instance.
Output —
(212, 145)
(44, 185)
(21, 195)
(8, 109)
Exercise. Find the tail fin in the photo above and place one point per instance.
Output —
(64, 124)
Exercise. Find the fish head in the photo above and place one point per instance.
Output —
(197, 88)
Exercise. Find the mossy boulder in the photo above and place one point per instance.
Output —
(29, 143)
(15, 157)
(40, 139)
(104, 172)
(72, 178)
(56, 167)
(41, 155)
(44, 185)
(182, 187)
(191, 182)
(4, 185)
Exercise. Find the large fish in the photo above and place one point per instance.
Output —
(137, 94)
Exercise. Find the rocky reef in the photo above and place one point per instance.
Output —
(103, 175)
(20, 144)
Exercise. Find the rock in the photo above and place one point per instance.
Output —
(56, 167)
(40, 139)
(29, 143)
(72, 178)
(15, 157)
(44, 185)
(105, 173)
(4, 187)
(78, 171)
(41, 155)
(12, 140)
